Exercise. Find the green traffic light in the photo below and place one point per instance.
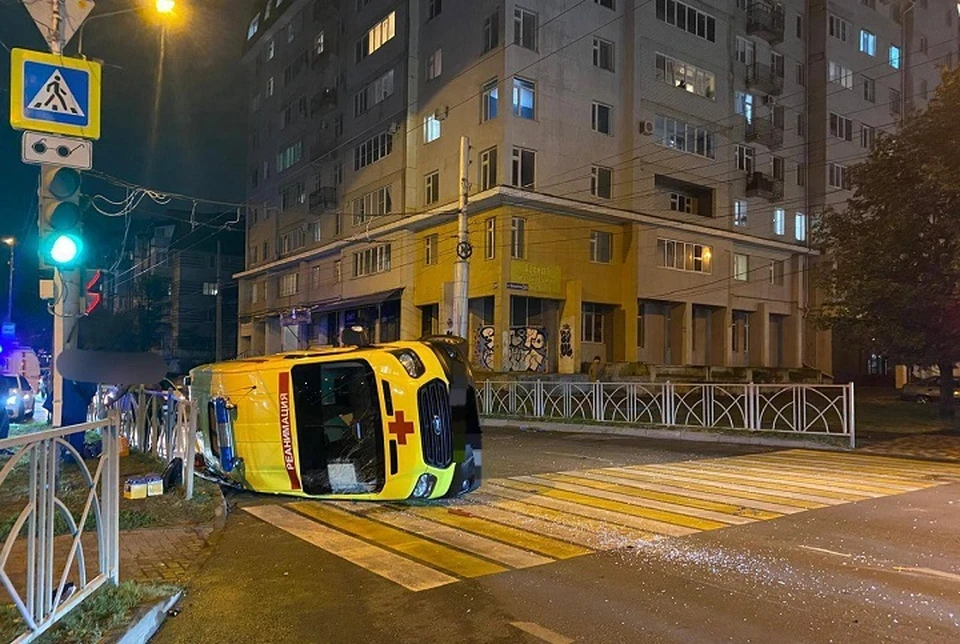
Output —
(64, 250)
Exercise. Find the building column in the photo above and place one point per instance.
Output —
(721, 319)
(568, 343)
(501, 326)
(625, 321)
(272, 332)
(410, 327)
(760, 337)
(681, 333)
(793, 339)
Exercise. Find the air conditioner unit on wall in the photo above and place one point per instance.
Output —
(441, 113)
(646, 128)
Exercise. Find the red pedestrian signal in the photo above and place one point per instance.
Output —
(94, 290)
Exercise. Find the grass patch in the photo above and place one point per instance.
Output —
(889, 415)
(110, 607)
(171, 509)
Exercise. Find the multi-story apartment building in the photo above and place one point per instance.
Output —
(642, 183)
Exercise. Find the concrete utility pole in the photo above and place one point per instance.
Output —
(461, 270)
(11, 242)
(66, 306)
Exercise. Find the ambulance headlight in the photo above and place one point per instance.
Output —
(424, 486)
(411, 362)
(12, 400)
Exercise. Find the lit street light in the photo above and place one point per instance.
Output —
(165, 6)
(162, 7)
(11, 242)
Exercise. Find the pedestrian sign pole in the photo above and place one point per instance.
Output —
(52, 99)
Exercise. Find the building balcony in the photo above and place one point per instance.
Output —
(765, 20)
(764, 79)
(763, 131)
(761, 184)
(324, 198)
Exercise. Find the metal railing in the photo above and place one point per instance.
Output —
(46, 591)
(793, 408)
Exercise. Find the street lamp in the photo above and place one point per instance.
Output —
(162, 7)
(11, 242)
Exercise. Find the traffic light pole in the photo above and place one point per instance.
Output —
(66, 303)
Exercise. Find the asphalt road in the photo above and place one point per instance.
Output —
(633, 542)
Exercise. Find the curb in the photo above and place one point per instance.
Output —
(147, 622)
(665, 434)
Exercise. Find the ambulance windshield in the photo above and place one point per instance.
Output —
(339, 427)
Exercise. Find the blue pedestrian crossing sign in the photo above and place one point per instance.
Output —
(51, 93)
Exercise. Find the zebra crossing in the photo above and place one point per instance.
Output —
(526, 521)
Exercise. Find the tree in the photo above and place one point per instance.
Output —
(138, 328)
(893, 267)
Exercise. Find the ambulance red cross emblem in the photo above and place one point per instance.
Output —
(400, 428)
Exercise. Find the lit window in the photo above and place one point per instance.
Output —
(740, 212)
(254, 26)
(489, 101)
(319, 43)
(435, 64)
(894, 57)
(779, 223)
(524, 98)
(741, 267)
(210, 288)
(431, 128)
(800, 227)
(488, 168)
(868, 42)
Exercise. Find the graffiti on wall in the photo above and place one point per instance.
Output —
(527, 349)
(485, 346)
(566, 341)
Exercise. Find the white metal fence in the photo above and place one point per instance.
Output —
(43, 583)
(791, 408)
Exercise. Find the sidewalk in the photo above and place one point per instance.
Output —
(928, 446)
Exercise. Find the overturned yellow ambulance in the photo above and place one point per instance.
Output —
(386, 422)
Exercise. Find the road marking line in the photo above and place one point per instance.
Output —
(787, 478)
(714, 487)
(519, 493)
(776, 509)
(876, 460)
(542, 633)
(627, 496)
(885, 475)
(513, 536)
(827, 552)
(635, 489)
(823, 496)
(597, 501)
(493, 550)
(599, 531)
(435, 554)
(929, 572)
(822, 482)
(379, 561)
(530, 524)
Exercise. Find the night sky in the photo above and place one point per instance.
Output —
(200, 136)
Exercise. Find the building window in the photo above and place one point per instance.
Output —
(435, 64)
(841, 127)
(374, 93)
(488, 168)
(338, 270)
(684, 137)
(801, 124)
(289, 284)
(603, 54)
(253, 254)
(776, 272)
(840, 75)
(779, 221)
(210, 288)
(290, 156)
(430, 250)
(641, 325)
(923, 45)
(372, 150)
(741, 267)
(291, 31)
(868, 42)
(602, 118)
(489, 101)
(376, 202)
(491, 31)
(746, 51)
(316, 276)
(776, 64)
(431, 128)
(687, 18)
(371, 261)
(254, 292)
(743, 105)
(601, 247)
(895, 101)
(800, 227)
(740, 212)
(801, 174)
(254, 27)
(799, 27)
(319, 44)
(837, 176)
(685, 76)
(923, 89)
(684, 256)
(838, 28)
(518, 238)
(592, 323)
(270, 86)
(778, 168)
(894, 57)
(431, 188)
(524, 165)
(609, 4)
(525, 29)
(601, 182)
(801, 75)
(376, 37)
(868, 136)
(684, 203)
(524, 98)
(744, 156)
(490, 239)
(869, 90)
(434, 7)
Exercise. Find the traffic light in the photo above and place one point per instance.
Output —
(94, 289)
(61, 229)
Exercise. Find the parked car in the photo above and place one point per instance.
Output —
(19, 397)
(924, 391)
